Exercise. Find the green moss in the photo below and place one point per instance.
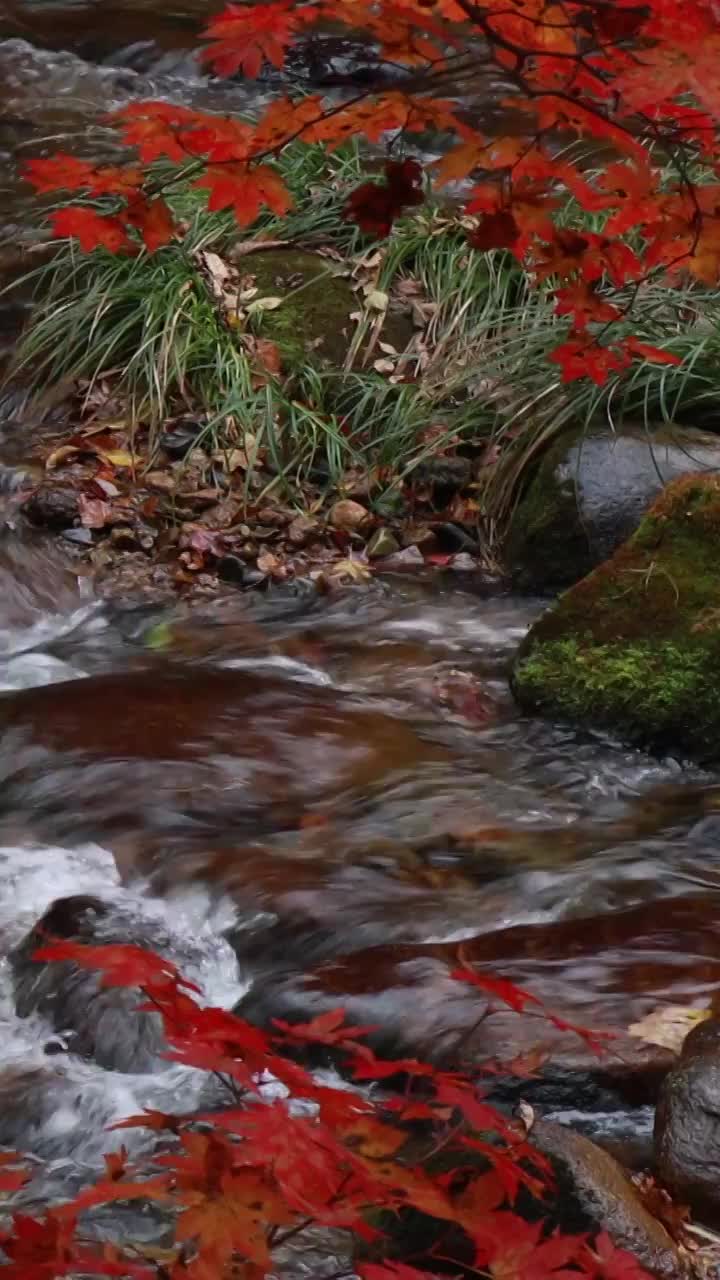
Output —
(635, 646)
(546, 543)
(649, 692)
(314, 316)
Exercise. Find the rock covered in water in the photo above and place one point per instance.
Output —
(52, 506)
(687, 1123)
(103, 1024)
(589, 494)
(635, 647)
(594, 1193)
(416, 1008)
(162, 748)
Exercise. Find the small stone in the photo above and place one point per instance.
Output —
(232, 569)
(52, 506)
(445, 472)
(180, 438)
(82, 537)
(408, 558)
(302, 530)
(420, 535)
(463, 563)
(124, 538)
(271, 518)
(382, 543)
(163, 480)
(348, 515)
(453, 537)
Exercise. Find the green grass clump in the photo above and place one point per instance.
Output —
(478, 370)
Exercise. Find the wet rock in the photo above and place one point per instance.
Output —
(52, 506)
(589, 494)
(408, 558)
(593, 1193)
(463, 563)
(100, 1023)
(55, 1111)
(232, 569)
(635, 647)
(207, 744)
(445, 474)
(180, 438)
(302, 530)
(687, 1124)
(298, 911)
(35, 580)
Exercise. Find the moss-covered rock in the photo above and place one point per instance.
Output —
(635, 647)
(589, 494)
(314, 319)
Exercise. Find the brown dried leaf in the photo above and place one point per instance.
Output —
(95, 513)
(268, 563)
(668, 1027)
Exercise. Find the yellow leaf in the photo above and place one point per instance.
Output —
(118, 457)
(668, 1027)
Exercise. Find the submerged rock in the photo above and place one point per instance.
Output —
(635, 647)
(687, 1123)
(104, 1024)
(602, 972)
(52, 506)
(170, 746)
(589, 494)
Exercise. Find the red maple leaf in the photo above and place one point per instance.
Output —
(58, 173)
(327, 1028)
(375, 206)
(244, 36)
(497, 230)
(94, 230)
(155, 129)
(245, 190)
(153, 219)
(515, 997)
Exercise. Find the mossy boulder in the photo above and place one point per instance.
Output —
(589, 494)
(635, 647)
(314, 320)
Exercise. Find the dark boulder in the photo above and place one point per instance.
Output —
(687, 1123)
(589, 494)
(103, 1024)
